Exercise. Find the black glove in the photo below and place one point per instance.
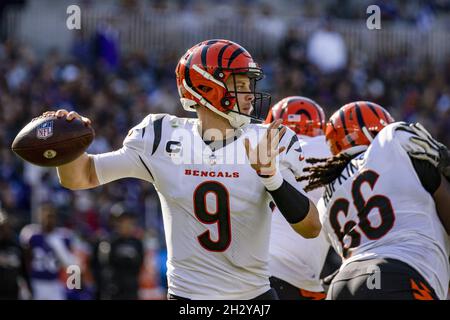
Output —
(444, 163)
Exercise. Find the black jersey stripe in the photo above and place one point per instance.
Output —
(157, 129)
(145, 166)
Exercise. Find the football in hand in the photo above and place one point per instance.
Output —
(51, 141)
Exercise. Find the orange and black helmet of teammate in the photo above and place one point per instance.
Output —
(304, 116)
(355, 124)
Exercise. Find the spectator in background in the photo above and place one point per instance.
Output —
(117, 260)
(12, 263)
(49, 254)
(327, 50)
(292, 49)
(269, 23)
(106, 45)
(8, 3)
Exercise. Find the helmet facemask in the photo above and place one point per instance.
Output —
(260, 102)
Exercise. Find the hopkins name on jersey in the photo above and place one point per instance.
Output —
(215, 208)
(378, 208)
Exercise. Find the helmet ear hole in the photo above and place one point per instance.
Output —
(225, 102)
(219, 74)
(204, 89)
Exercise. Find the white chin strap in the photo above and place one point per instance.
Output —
(236, 120)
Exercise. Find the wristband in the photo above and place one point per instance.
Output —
(272, 182)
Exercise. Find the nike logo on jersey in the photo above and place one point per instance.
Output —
(301, 157)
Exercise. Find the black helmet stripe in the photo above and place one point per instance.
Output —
(318, 111)
(385, 114)
(344, 125)
(289, 100)
(282, 113)
(283, 110)
(221, 52)
(205, 51)
(359, 116)
(234, 55)
(332, 124)
(187, 77)
(186, 72)
(305, 112)
(374, 110)
(312, 103)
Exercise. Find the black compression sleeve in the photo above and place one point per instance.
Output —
(293, 205)
(429, 175)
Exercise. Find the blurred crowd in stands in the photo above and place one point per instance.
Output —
(117, 90)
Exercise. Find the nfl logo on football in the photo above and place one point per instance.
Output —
(45, 130)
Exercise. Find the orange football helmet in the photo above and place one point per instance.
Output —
(202, 73)
(301, 114)
(355, 124)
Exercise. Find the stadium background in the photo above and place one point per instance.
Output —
(120, 66)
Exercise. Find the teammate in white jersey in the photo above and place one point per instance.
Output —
(385, 209)
(295, 262)
(215, 202)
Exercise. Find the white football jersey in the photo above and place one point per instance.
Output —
(293, 258)
(216, 214)
(378, 208)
